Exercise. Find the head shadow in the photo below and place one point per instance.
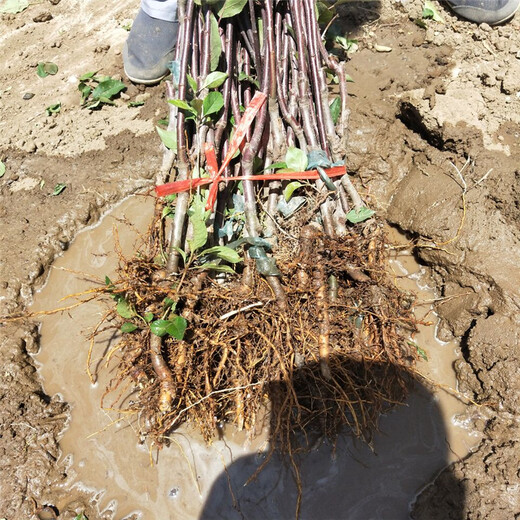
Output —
(376, 478)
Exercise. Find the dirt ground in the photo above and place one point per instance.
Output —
(444, 96)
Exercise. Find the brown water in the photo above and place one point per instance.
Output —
(188, 480)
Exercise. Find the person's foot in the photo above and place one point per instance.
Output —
(491, 12)
(149, 49)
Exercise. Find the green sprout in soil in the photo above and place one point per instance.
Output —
(98, 90)
(45, 69)
(58, 189)
(55, 108)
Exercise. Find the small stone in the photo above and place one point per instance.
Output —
(54, 2)
(102, 48)
(511, 81)
(29, 146)
(485, 27)
(142, 97)
(27, 96)
(44, 16)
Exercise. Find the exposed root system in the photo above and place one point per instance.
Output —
(331, 359)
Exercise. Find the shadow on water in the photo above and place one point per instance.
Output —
(350, 480)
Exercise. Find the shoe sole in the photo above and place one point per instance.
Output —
(147, 82)
(473, 15)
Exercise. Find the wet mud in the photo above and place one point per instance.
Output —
(413, 444)
(443, 94)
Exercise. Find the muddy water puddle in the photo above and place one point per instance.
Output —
(192, 481)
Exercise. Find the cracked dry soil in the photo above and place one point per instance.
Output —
(443, 94)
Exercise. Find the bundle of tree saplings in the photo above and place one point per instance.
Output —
(260, 292)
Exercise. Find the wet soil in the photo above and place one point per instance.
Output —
(442, 95)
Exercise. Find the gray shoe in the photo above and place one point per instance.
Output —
(491, 12)
(149, 49)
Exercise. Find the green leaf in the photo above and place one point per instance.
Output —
(335, 109)
(124, 309)
(197, 104)
(214, 79)
(128, 327)
(158, 327)
(87, 75)
(296, 159)
(420, 350)
(168, 303)
(215, 267)
(429, 12)
(46, 68)
(182, 253)
(174, 327)
(81, 516)
(2, 169)
(135, 104)
(107, 89)
(324, 14)
(167, 212)
(213, 102)
(290, 188)
(165, 121)
(14, 6)
(148, 317)
(200, 233)
(85, 90)
(177, 327)
(359, 215)
(215, 43)
(58, 189)
(53, 109)
(183, 106)
(348, 78)
(246, 77)
(168, 137)
(231, 8)
(192, 82)
(276, 166)
(226, 253)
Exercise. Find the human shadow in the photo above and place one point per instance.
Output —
(350, 479)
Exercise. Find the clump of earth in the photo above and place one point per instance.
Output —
(434, 141)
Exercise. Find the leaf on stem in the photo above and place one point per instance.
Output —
(168, 137)
(215, 43)
(231, 8)
(335, 109)
(296, 159)
(290, 189)
(212, 103)
(200, 233)
(214, 80)
(179, 103)
(128, 327)
(223, 252)
(124, 309)
(174, 327)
